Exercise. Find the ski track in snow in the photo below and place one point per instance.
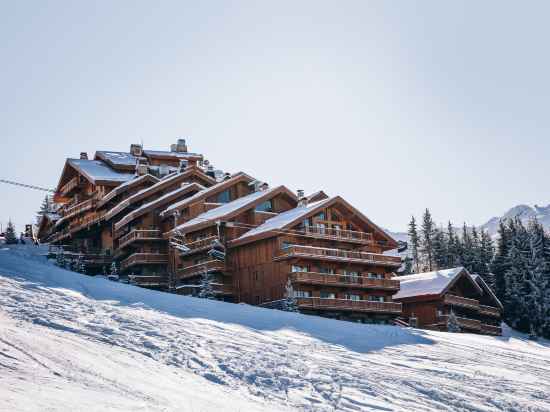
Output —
(269, 358)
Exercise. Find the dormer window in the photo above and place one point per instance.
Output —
(266, 206)
(223, 197)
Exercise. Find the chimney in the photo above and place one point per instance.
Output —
(210, 172)
(302, 200)
(136, 150)
(83, 155)
(264, 186)
(179, 147)
(227, 176)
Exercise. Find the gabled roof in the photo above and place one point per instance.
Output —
(127, 185)
(147, 207)
(487, 290)
(228, 210)
(144, 193)
(217, 188)
(171, 155)
(117, 160)
(288, 219)
(432, 284)
(317, 196)
(96, 172)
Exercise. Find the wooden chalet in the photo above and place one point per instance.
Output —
(428, 299)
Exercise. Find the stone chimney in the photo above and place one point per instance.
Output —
(136, 150)
(83, 155)
(302, 199)
(179, 147)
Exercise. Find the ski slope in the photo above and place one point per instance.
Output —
(72, 342)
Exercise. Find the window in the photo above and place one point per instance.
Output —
(298, 268)
(328, 295)
(375, 276)
(302, 294)
(321, 216)
(351, 276)
(328, 271)
(224, 197)
(376, 298)
(351, 296)
(266, 206)
(320, 227)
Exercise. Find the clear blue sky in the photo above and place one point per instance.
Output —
(396, 106)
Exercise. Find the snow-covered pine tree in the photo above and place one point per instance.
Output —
(452, 246)
(290, 303)
(487, 254)
(500, 262)
(476, 252)
(452, 323)
(440, 249)
(414, 245)
(11, 238)
(467, 249)
(206, 291)
(426, 240)
(80, 264)
(46, 207)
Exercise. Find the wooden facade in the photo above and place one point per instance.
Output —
(169, 220)
(429, 298)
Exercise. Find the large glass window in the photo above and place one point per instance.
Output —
(302, 294)
(299, 268)
(328, 295)
(328, 271)
(224, 197)
(351, 296)
(266, 206)
(376, 298)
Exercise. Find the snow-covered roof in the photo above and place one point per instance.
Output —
(126, 185)
(206, 192)
(227, 208)
(117, 158)
(97, 171)
(283, 219)
(177, 155)
(487, 289)
(163, 199)
(171, 179)
(429, 283)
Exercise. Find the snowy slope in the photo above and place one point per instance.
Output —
(71, 342)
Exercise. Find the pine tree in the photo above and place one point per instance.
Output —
(11, 238)
(467, 249)
(452, 323)
(452, 247)
(500, 263)
(415, 245)
(440, 250)
(206, 291)
(427, 236)
(290, 303)
(46, 207)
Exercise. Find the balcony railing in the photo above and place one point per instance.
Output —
(148, 280)
(335, 234)
(465, 323)
(70, 185)
(222, 289)
(337, 255)
(491, 329)
(460, 301)
(344, 280)
(489, 310)
(78, 208)
(138, 234)
(197, 270)
(143, 259)
(349, 305)
(200, 244)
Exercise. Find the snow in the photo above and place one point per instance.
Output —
(121, 188)
(283, 219)
(72, 342)
(203, 193)
(226, 208)
(164, 198)
(117, 158)
(428, 283)
(97, 171)
(177, 155)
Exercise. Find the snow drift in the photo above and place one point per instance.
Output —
(69, 341)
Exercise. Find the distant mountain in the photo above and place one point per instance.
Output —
(525, 213)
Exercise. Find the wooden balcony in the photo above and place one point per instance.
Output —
(462, 302)
(148, 280)
(349, 305)
(319, 232)
(200, 245)
(138, 234)
(340, 255)
(491, 329)
(70, 185)
(198, 270)
(344, 281)
(144, 259)
(222, 289)
(78, 208)
(465, 323)
(489, 311)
